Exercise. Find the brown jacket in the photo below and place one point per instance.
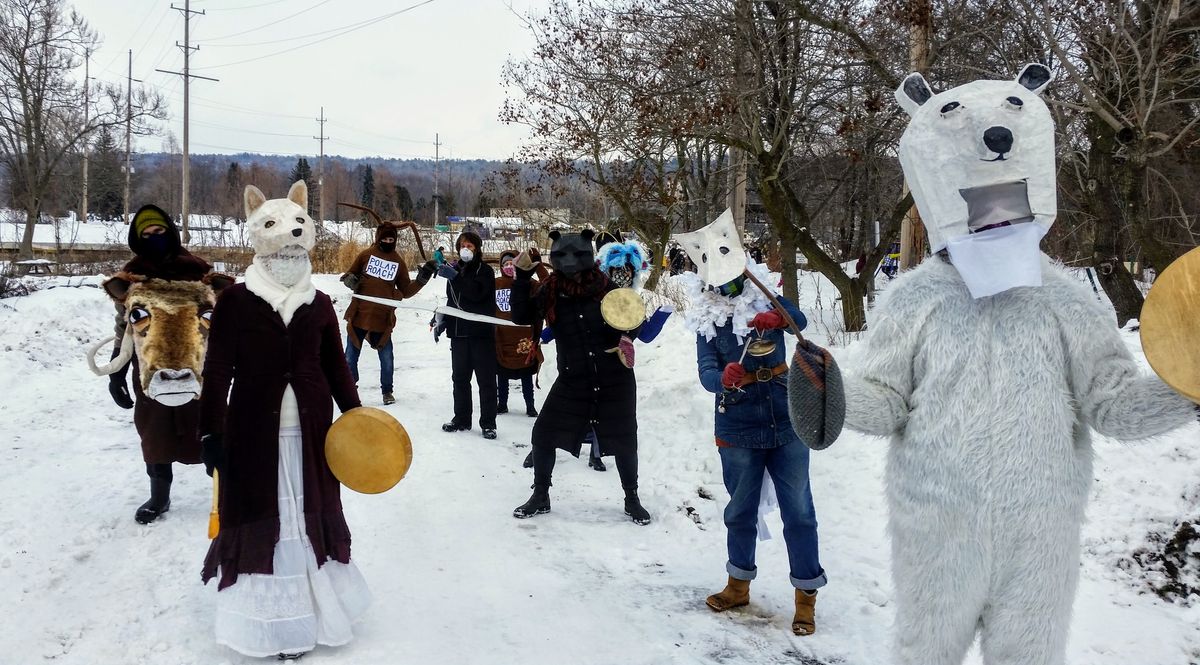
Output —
(513, 345)
(382, 275)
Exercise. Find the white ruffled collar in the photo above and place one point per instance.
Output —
(284, 300)
(708, 310)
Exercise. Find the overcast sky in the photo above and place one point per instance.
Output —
(394, 83)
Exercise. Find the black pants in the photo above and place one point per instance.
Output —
(163, 471)
(502, 390)
(474, 355)
(543, 467)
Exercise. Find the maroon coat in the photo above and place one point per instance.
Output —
(249, 346)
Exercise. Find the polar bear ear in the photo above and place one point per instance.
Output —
(913, 92)
(1035, 77)
(253, 198)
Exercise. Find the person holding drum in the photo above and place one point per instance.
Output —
(596, 389)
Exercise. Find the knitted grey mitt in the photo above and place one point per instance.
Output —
(816, 398)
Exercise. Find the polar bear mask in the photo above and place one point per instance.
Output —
(980, 142)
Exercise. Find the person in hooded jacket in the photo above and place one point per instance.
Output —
(380, 272)
(596, 389)
(471, 287)
(518, 355)
(168, 433)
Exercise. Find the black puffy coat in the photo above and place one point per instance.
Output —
(593, 389)
(472, 290)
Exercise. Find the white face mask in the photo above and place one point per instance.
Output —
(466, 254)
(716, 250)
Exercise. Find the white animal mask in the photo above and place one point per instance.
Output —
(984, 134)
(716, 250)
(281, 233)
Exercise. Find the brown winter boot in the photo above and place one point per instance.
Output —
(806, 604)
(735, 594)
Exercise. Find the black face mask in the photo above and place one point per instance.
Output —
(572, 253)
(156, 245)
(387, 245)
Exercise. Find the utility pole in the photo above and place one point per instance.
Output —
(128, 130)
(87, 88)
(321, 165)
(187, 48)
(436, 145)
(912, 231)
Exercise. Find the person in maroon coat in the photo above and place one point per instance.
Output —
(168, 433)
(282, 554)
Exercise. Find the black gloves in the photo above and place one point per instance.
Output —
(118, 387)
(351, 281)
(426, 271)
(212, 452)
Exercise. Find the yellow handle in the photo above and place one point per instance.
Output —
(214, 518)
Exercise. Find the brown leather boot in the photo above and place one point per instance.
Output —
(804, 622)
(735, 594)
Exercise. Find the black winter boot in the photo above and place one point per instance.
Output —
(160, 494)
(538, 503)
(634, 509)
(530, 410)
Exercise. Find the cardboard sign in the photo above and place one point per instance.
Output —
(382, 268)
(503, 300)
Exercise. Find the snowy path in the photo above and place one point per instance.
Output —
(455, 578)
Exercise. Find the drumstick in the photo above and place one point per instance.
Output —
(214, 518)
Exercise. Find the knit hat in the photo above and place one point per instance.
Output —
(507, 255)
(816, 397)
(148, 216)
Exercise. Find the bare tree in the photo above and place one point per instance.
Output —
(42, 118)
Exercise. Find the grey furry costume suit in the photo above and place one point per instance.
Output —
(988, 404)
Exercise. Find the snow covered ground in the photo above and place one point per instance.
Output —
(455, 578)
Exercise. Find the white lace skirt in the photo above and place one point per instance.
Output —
(300, 605)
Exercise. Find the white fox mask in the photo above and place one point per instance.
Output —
(716, 250)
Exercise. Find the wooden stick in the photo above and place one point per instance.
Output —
(214, 518)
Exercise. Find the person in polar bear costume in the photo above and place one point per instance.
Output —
(987, 366)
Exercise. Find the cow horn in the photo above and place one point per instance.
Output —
(116, 363)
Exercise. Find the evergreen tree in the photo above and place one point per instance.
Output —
(404, 201)
(368, 187)
(234, 206)
(106, 180)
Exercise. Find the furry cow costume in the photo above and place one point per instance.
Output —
(168, 433)
(283, 552)
(596, 389)
(987, 366)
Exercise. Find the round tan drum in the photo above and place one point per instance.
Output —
(368, 450)
(623, 309)
(1171, 325)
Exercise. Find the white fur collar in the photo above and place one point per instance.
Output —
(708, 310)
(285, 301)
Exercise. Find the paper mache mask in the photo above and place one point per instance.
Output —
(716, 250)
(275, 224)
(975, 143)
(572, 253)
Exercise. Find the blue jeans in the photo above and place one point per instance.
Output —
(386, 360)
(742, 469)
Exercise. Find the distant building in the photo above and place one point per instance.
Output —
(536, 216)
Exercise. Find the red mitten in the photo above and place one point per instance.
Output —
(733, 374)
(768, 320)
(624, 351)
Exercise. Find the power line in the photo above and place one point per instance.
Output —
(271, 24)
(248, 131)
(238, 151)
(355, 27)
(382, 136)
(230, 9)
